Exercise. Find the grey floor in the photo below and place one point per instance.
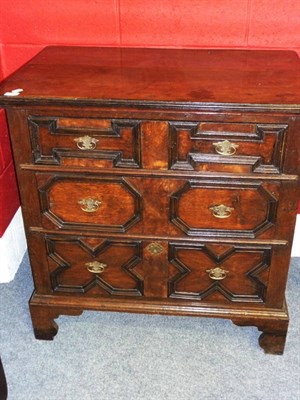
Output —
(126, 356)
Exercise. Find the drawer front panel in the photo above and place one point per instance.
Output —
(85, 142)
(102, 204)
(223, 209)
(209, 273)
(94, 266)
(216, 273)
(230, 147)
(160, 207)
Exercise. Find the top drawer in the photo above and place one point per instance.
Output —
(85, 142)
(238, 147)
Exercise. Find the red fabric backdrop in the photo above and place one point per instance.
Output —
(26, 26)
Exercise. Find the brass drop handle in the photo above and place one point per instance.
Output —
(89, 204)
(221, 211)
(226, 148)
(217, 274)
(96, 267)
(86, 142)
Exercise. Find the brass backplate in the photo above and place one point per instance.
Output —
(155, 248)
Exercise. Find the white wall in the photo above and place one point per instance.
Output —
(296, 243)
(12, 248)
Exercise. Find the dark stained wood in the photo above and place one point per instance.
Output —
(215, 76)
(43, 322)
(156, 206)
(115, 205)
(192, 208)
(257, 147)
(246, 271)
(112, 143)
(117, 164)
(156, 271)
(155, 135)
(273, 338)
(42, 317)
(69, 259)
(273, 343)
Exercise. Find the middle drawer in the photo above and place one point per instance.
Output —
(160, 206)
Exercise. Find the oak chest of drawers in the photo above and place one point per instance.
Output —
(158, 181)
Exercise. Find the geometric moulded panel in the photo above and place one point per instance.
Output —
(215, 208)
(256, 147)
(112, 143)
(238, 274)
(107, 268)
(92, 203)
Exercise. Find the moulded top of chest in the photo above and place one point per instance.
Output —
(90, 75)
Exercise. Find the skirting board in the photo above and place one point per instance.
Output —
(13, 247)
(296, 242)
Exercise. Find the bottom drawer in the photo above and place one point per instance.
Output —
(199, 271)
(218, 273)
